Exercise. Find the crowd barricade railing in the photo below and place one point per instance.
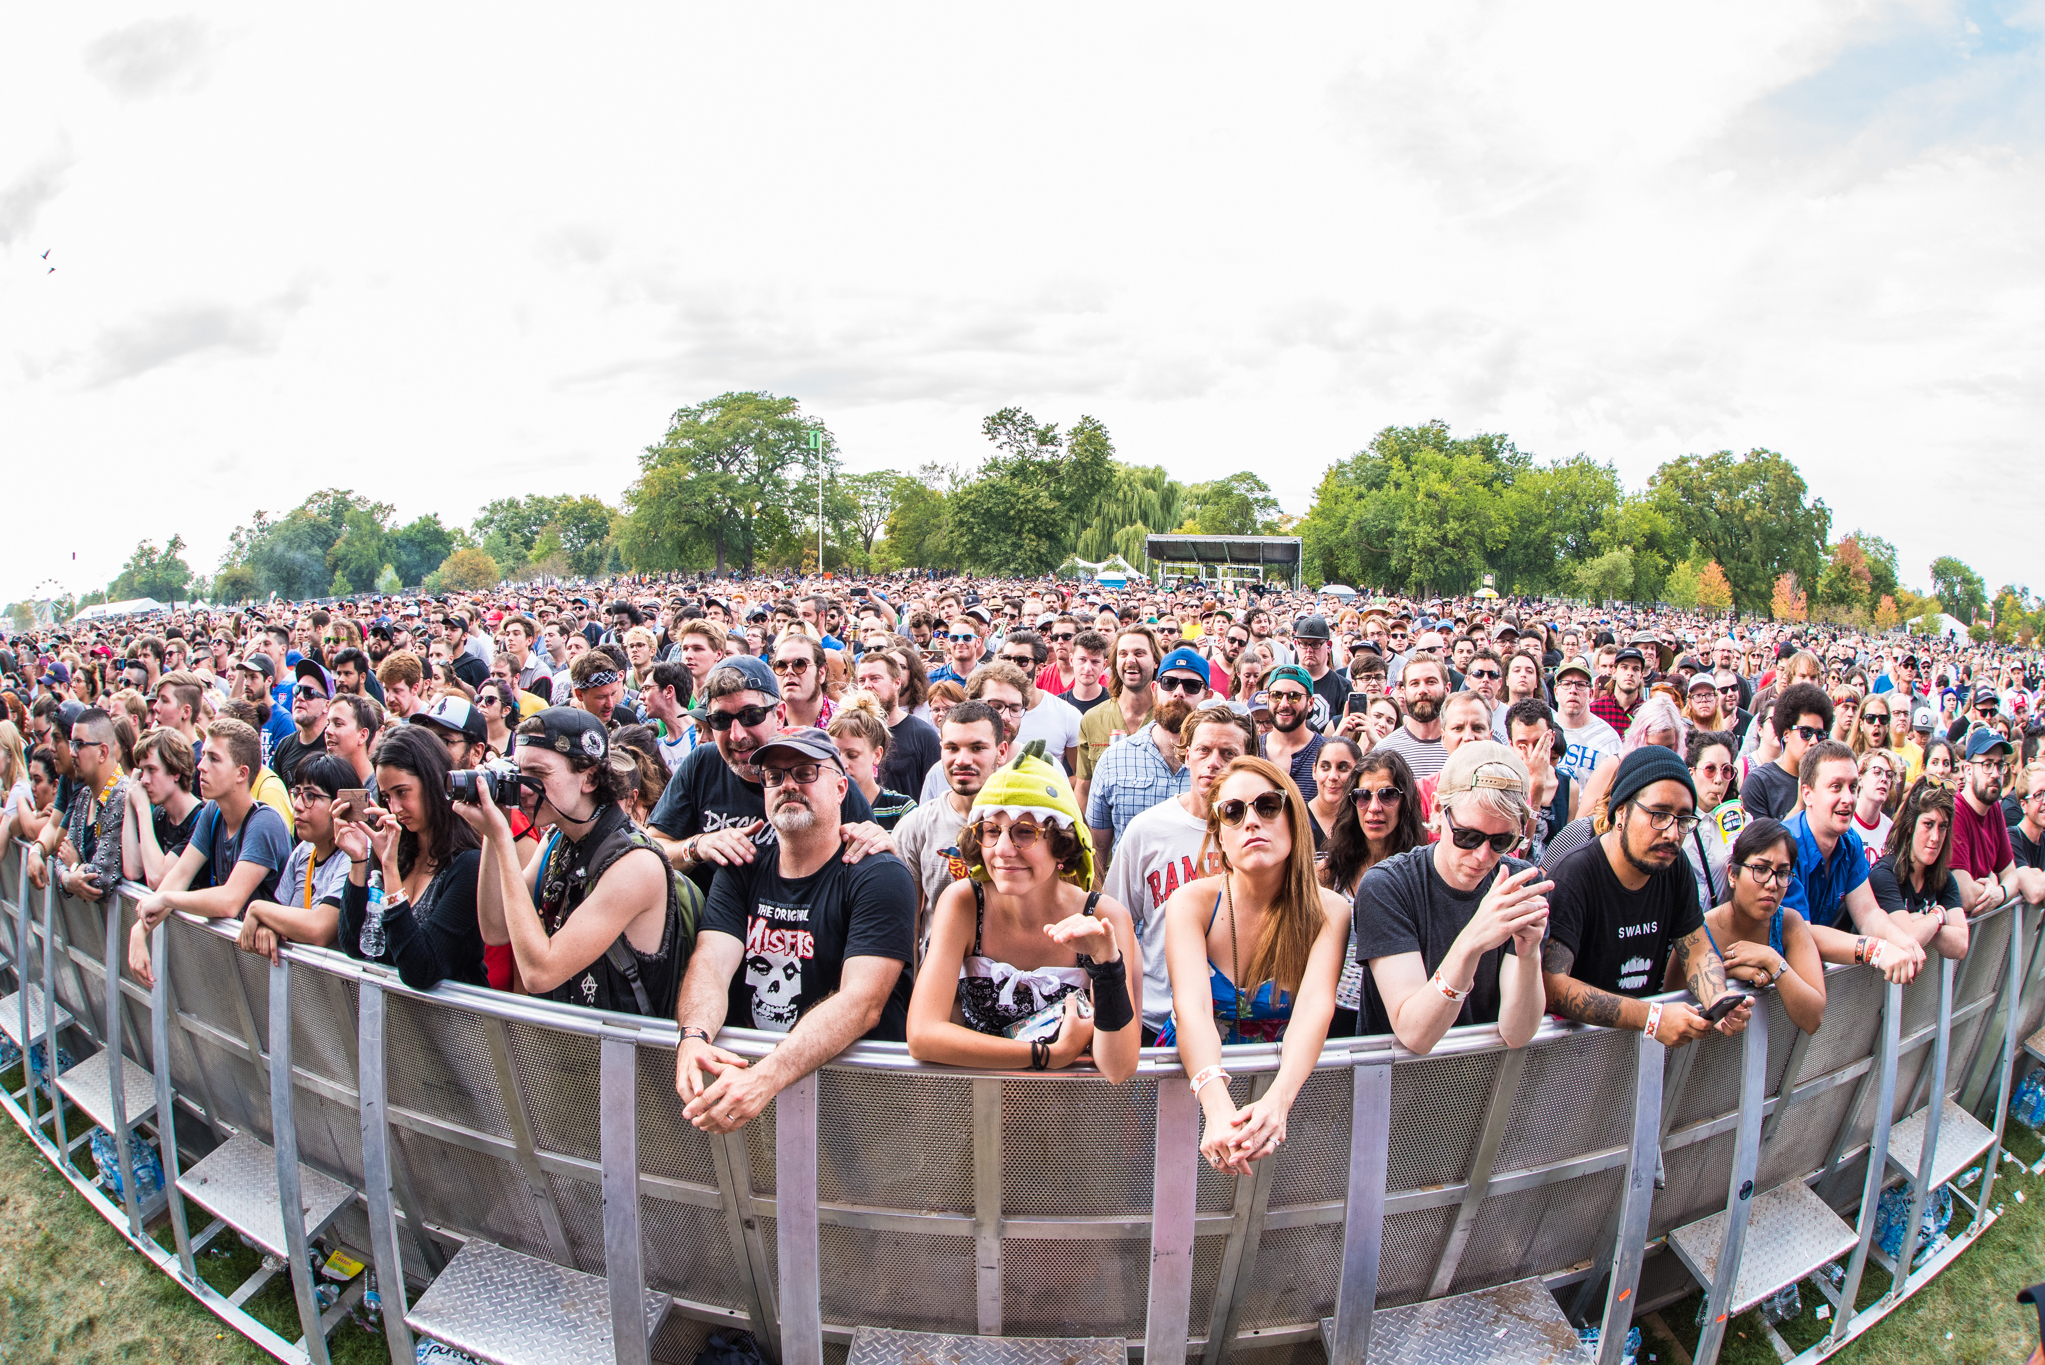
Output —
(479, 1137)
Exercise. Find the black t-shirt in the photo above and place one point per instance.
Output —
(1769, 791)
(173, 835)
(1331, 694)
(470, 670)
(798, 934)
(1896, 896)
(705, 795)
(1403, 906)
(912, 749)
(1083, 706)
(2027, 853)
(289, 750)
(1621, 938)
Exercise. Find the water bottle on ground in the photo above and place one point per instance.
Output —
(372, 941)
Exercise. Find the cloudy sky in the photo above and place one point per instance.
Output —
(446, 257)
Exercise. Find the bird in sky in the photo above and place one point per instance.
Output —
(46, 256)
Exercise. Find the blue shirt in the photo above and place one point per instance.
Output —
(946, 674)
(1129, 779)
(1821, 885)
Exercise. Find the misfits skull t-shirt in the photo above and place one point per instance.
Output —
(798, 933)
(1621, 938)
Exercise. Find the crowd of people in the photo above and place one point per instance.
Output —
(1022, 825)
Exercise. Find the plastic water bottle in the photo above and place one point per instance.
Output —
(372, 941)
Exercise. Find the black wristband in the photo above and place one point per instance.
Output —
(1112, 1009)
(1040, 1055)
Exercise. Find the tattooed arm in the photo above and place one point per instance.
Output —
(1572, 999)
(1697, 964)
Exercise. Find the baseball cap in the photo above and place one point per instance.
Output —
(807, 740)
(57, 675)
(1629, 652)
(1291, 673)
(1575, 664)
(1260, 701)
(1484, 764)
(307, 668)
(1982, 739)
(759, 676)
(1703, 680)
(455, 716)
(1313, 627)
(1922, 720)
(570, 730)
(260, 662)
(1986, 696)
(1189, 661)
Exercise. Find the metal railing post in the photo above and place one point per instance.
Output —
(1934, 1110)
(1246, 1232)
(1637, 1201)
(624, 1271)
(22, 939)
(987, 1204)
(50, 1067)
(2012, 992)
(1740, 1188)
(1505, 1089)
(1174, 1196)
(117, 1087)
(1877, 1158)
(376, 1173)
(1363, 1214)
(795, 1223)
(284, 1135)
(166, 1115)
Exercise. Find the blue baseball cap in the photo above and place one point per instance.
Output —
(1186, 660)
(1983, 739)
(759, 675)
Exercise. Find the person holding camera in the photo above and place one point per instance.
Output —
(238, 850)
(598, 920)
(426, 924)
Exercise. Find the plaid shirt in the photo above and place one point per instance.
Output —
(1129, 779)
(1606, 708)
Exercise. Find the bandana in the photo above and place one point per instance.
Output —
(603, 678)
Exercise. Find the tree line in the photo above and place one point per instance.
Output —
(732, 485)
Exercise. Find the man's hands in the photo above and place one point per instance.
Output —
(81, 881)
(863, 838)
(732, 847)
(259, 938)
(1516, 907)
(723, 1094)
(1682, 1024)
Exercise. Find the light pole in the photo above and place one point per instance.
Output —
(816, 445)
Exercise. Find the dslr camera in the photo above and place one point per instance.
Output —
(499, 776)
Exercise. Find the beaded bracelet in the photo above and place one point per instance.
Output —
(1654, 1019)
(1206, 1074)
(1449, 992)
(1040, 1056)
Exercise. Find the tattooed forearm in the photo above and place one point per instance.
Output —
(1556, 958)
(1703, 970)
(1572, 999)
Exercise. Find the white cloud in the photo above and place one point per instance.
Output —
(492, 259)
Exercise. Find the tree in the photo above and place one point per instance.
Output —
(388, 582)
(470, 570)
(1786, 603)
(1024, 511)
(150, 572)
(1140, 498)
(1713, 592)
(1750, 513)
(1847, 583)
(720, 478)
(1239, 505)
(919, 524)
(1881, 564)
(1885, 614)
(1959, 587)
(234, 585)
(868, 500)
(419, 547)
(1608, 578)
(1681, 589)
(358, 556)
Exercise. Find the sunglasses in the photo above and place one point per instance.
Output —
(1468, 839)
(1239, 641)
(1376, 796)
(1192, 687)
(1288, 698)
(1268, 806)
(1024, 662)
(1808, 733)
(747, 716)
(791, 665)
(1023, 834)
(1063, 636)
(962, 636)
(1486, 675)
(1876, 717)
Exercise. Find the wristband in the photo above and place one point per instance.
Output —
(1860, 952)
(692, 1031)
(1040, 1056)
(1206, 1074)
(1112, 1010)
(1449, 992)
(1654, 1019)
(1874, 953)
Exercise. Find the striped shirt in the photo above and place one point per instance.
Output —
(1130, 778)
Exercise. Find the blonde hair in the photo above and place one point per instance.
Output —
(13, 756)
(1287, 939)
(860, 714)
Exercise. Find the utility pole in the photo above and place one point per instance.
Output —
(816, 445)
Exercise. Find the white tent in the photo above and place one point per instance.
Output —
(134, 606)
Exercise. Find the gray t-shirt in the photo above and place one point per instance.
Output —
(1403, 906)
(1423, 756)
(1158, 853)
(327, 877)
(927, 839)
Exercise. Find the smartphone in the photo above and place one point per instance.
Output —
(859, 592)
(1724, 1005)
(350, 802)
(1358, 701)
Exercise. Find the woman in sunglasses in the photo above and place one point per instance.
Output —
(1761, 943)
(1252, 952)
(1379, 818)
(1027, 968)
(499, 705)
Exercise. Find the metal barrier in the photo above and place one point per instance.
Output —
(470, 1142)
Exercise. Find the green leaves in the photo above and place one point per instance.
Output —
(1749, 513)
(150, 572)
(1961, 589)
(722, 479)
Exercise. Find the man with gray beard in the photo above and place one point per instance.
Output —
(796, 941)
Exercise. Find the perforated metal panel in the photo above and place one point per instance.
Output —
(470, 1192)
(1074, 1288)
(439, 1064)
(255, 979)
(1541, 1230)
(669, 1145)
(322, 1024)
(1714, 1085)
(1575, 1097)
(680, 1339)
(557, 1072)
(1411, 1248)
(581, 1205)
(898, 1142)
(1208, 1254)
(686, 1252)
(1696, 1176)
(1075, 1149)
(1297, 1271)
(1920, 999)
(1853, 1018)
(204, 970)
(1437, 1110)
(1805, 1139)
(1982, 975)
(894, 1279)
(759, 1136)
(1313, 1165)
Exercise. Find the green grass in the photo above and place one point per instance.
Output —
(73, 1291)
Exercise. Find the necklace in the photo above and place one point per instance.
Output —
(1235, 952)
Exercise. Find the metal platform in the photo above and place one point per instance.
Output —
(237, 1182)
(2035, 1045)
(886, 1346)
(1961, 1138)
(1790, 1233)
(511, 1309)
(1514, 1324)
(10, 1017)
(86, 1085)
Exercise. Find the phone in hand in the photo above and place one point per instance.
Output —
(350, 802)
(1725, 1005)
(1357, 701)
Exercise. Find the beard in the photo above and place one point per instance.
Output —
(1424, 709)
(1298, 719)
(793, 817)
(1171, 713)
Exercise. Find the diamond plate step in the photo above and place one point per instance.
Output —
(86, 1085)
(1790, 1233)
(1514, 1324)
(886, 1346)
(1961, 1138)
(237, 1182)
(511, 1309)
(2035, 1045)
(10, 1017)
